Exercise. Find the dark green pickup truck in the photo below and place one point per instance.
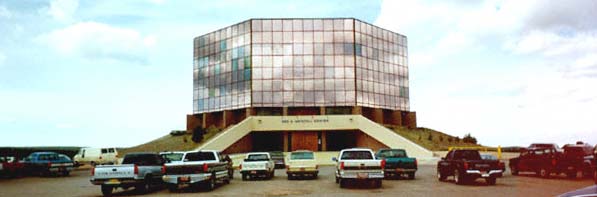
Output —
(397, 163)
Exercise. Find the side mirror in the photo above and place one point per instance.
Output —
(334, 159)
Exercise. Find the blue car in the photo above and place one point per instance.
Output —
(48, 163)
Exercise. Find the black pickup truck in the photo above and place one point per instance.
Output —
(467, 165)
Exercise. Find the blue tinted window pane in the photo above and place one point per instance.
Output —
(358, 49)
(247, 74)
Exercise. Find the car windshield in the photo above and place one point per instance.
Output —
(356, 155)
(257, 157)
(467, 155)
(64, 158)
(301, 155)
(488, 157)
(48, 157)
(392, 153)
(200, 156)
(173, 156)
(578, 151)
(140, 159)
(276, 154)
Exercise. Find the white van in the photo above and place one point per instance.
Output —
(96, 156)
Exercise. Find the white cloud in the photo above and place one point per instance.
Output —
(5, 13)
(534, 82)
(98, 40)
(62, 10)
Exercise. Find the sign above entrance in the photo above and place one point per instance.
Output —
(303, 121)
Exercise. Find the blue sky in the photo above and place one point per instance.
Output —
(118, 73)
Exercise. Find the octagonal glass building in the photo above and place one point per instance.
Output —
(300, 67)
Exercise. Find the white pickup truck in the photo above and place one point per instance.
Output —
(257, 164)
(198, 168)
(358, 164)
(138, 170)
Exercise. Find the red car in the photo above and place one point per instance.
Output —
(9, 166)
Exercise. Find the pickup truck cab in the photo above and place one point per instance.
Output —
(199, 168)
(138, 170)
(397, 163)
(467, 165)
(358, 164)
(47, 163)
(301, 163)
(173, 156)
(257, 164)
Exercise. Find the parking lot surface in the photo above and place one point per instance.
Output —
(425, 184)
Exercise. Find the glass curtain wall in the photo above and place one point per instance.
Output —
(382, 71)
(222, 69)
(303, 62)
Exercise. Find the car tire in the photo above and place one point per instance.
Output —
(458, 178)
(144, 187)
(231, 174)
(441, 177)
(595, 176)
(245, 177)
(377, 183)
(544, 173)
(337, 180)
(107, 190)
(172, 187)
(411, 176)
(211, 183)
(342, 183)
(491, 181)
(514, 170)
(315, 176)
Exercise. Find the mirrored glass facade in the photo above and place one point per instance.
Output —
(300, 62)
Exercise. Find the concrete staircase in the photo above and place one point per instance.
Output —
(315, 123)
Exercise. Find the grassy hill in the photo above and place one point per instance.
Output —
(437, 142)
(171, 143)
(431, 139)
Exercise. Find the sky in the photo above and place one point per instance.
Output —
(119, 73)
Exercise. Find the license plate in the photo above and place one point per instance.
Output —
(253, 172)
(362, 175)
(113, 181)
(485, 175)
(184, 179)
(302, 169)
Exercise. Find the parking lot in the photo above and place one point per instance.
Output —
(425, 184)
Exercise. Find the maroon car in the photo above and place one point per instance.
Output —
(573, 161)
(10, 166)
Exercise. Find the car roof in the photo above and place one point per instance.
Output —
(256, 153)
(300, 151)
(47, 152)
(356, 149)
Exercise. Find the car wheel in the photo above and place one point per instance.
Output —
(458, 179)
(289, 176)
(440, 176)
(172, 187)
(514, 170)
(491, 181)
(544, 173)
(315, 176)
(245, 177)
(211, 184)
(337, 180)
(107, 190)
(377, 183)
(411, 176)
(231, 174)
(342, 183)
(595, 176)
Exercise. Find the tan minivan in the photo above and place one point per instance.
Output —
(96, 156)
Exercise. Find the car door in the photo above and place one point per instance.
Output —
(523, 161)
